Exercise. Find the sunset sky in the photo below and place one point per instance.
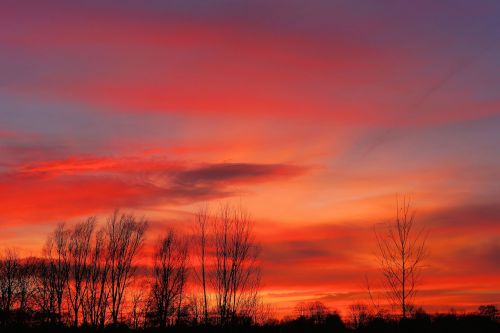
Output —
(311, 114)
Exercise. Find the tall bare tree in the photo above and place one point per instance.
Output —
(401, 249)
(202, 220)
(17, 288)
(79, 259)
(26, 284)
(44, 296)
(183, 276)
(125, 235)
(96, 297)
(9, 272)
(169, 277)
(236, 274)
(137, 313)
(57, 260)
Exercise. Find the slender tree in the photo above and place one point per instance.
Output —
(57, 259)
(79, 260)
(236, 275)
(202, 219)
(137, 309)
(401, 249)
(125, 235)
(169, 277)
(96, 297)
(44, 296)
(9, 272)
(26, 284)
(55, 271)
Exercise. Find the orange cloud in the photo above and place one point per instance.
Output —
(77, 186)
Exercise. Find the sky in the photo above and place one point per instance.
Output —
(311, 114)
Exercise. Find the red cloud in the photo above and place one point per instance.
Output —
(74, 187)
(138, 63)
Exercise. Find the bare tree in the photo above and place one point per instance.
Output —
(315, 311)
(202, 219)
(16, 285)
(43, 296)
(125, 236)
(359, 315)
(138, 309)
(169, 277)
(265, 314)
(96, 297)
(79, 253)
(236, 274)
(9, 271)
(57, 260)
(26, 284)
(195, 306)
(183, 276)
(401, 250)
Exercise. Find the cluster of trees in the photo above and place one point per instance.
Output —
(316, 317)
(80, 278)
(88, 275)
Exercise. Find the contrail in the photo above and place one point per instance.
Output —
(456, 70)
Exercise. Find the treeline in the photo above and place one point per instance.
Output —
(88, 275)
(102, 275)
(316, 317)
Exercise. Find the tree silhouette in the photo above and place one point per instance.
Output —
(57, 261)
(236, 276)
(401, 249)
(125, 236)
(79, 261)
(202, 219)
(97, 295)
(169, 278)
(9, 272)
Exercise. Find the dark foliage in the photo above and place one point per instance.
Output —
(332, 322)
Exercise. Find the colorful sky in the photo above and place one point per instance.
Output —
(312, 114)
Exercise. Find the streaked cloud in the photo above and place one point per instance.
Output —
(312, 114)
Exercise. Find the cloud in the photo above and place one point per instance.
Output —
(472, 259)
(478, 217)
(237, 172)
(333, 257)
(174, 59)
(26, 150)
(76, 186)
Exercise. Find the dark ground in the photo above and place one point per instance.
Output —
(470, 323)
